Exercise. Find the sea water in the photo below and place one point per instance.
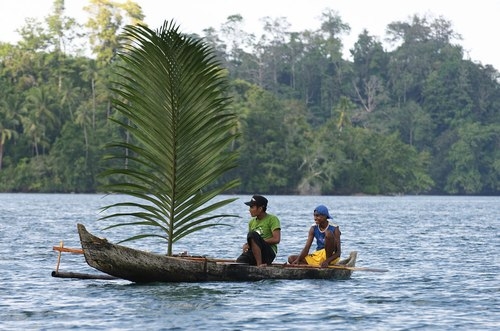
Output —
(441, 254)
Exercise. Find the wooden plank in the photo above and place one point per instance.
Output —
(68, 250)
(208, 259)
(60, 274)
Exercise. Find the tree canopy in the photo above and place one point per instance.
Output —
(421, 118)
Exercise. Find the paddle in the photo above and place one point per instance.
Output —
(335, 266)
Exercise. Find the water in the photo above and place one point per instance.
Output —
(441, 252)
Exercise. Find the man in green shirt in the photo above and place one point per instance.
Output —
(264, 234)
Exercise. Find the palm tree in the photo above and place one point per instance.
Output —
(171, 101)
(10, 105)
(344, 106)
(40, 119)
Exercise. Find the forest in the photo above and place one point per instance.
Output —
(418, 118)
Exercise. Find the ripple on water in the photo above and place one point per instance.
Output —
(442, 256)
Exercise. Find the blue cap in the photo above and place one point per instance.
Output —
(322, 210)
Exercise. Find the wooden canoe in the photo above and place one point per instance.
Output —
(142, 267)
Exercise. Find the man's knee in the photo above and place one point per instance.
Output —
(253, 235)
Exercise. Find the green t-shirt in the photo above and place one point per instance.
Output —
(265, 227)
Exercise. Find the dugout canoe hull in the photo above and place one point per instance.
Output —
(144, 267)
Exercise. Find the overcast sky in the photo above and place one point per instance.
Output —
(478, 22)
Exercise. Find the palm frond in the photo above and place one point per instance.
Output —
(171, 99)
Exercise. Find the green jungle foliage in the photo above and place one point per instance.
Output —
(418, 119)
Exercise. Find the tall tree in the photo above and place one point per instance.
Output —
(10, 107)
(370, 67)
(261, 163)
(421, 44)
(468, 161)
(62, 32)
(40, 120)
(105, 22)
(275, 53)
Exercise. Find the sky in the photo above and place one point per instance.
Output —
(477, 22)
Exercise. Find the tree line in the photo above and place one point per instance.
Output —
(420, 118)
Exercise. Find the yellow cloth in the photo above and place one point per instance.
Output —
(318, 257)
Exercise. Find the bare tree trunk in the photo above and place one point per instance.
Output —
(1, 155)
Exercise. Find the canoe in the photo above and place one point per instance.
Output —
(144, 267)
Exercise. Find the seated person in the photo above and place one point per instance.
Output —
(327, 241)
(264, 234)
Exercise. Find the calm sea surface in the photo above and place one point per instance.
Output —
(442, 254)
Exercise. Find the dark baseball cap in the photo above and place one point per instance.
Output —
(257, 200)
